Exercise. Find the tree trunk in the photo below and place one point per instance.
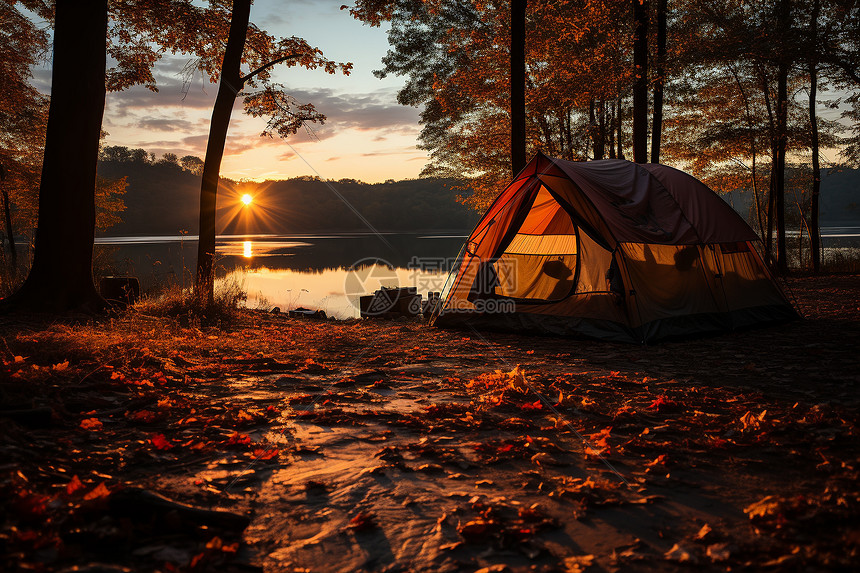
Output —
(782, 139)
(659, 81)
(814, 231)
(61, 278)
(228, 88)
(10, 232)
(518, 85)
(612, 130)
(753, 152)
(620, 126)
(772, 136)
(594, 131)
(640, 87)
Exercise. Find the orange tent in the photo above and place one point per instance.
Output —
(613, 250)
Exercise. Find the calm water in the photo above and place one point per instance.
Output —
(327, 272)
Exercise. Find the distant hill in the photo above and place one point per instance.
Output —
(163, 199)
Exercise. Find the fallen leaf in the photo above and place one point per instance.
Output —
(98, 492)
(719, 552)
(578, 563)
(160, 442)
(681, 554)
(703, 533)
(362, 522)
(74, 485)
(92, 424)
(763, 508)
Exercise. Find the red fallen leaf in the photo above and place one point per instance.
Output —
(91, 424)
(30, 505)
(196, 559)
(160, 442)
(237, 439)
(659, 460)
(530, 514)
(362, 522)
(74, 485)
(536, 405)
(266, 454)
(143, 416)
(662, 402)
(98, 492)
(476, 531)
(505, 448)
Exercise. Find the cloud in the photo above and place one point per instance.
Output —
(165, 124)
(368, 111)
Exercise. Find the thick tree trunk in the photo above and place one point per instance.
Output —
(657, 122)
(228, 88)
(640, 87)
(782, 140)
(61, 278)
(518, 85)
(814, 232)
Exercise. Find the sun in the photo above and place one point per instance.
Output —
(247, 199)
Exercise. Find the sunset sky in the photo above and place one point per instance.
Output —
(368, 136)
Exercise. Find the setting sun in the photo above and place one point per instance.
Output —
(247, 199)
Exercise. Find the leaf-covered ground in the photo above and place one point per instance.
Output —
(391, 446)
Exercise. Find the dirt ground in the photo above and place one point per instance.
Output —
(392, 446)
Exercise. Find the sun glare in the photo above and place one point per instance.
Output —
(246, 250)
(247, 199)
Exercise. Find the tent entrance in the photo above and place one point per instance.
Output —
(541, 262)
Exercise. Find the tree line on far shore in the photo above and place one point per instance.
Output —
(297, 205)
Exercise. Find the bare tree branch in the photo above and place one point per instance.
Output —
(247, 77)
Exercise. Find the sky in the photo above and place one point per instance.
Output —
(368, 136)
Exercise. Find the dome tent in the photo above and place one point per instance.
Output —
(613, 250)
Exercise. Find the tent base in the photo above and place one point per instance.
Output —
(666, 329)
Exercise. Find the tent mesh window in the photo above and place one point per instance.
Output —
(540, 263)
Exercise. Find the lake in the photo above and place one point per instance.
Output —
(323, 271)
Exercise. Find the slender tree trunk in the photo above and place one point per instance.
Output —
(814, 231)
(61, 278)
(753, 153)
(612, 131)
(659, 81)
(772, 136)
(568, 135)
(601, 127)
(228, 88)
(518, 85)
(620, 127)
(594, 131)
(640, 87)
(10, 232)
(782, 139)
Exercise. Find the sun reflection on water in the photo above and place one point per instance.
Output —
(246, 249)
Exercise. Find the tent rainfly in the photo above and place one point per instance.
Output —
(613, 250)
